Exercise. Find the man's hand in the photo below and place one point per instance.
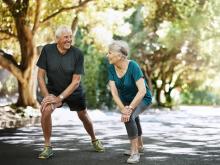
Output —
(50, 102)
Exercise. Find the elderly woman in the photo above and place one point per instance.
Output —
(130, 92)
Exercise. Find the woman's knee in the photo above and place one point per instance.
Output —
(132, 118)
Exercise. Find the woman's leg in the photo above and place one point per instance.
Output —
(140, 140)
(133, 128)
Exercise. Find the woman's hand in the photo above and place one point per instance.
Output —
(126, 114)
(125, 118)
(126, 110)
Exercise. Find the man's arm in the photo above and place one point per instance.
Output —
(70, 89)
(43, 89)
(41, 81)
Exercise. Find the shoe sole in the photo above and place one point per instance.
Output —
(42, 157)
(132, 162)
(126, 154)
(100, 150)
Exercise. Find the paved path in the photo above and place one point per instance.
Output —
(171, 138)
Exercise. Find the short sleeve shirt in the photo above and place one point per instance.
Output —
(60, 68)
(126, 85)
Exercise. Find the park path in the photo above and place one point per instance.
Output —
(188, 136)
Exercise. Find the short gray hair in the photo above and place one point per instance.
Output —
(120, 47)
(61, 29)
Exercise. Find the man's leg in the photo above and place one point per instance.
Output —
(87, 123)
(46, 124)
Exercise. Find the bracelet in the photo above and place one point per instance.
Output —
(131, 107)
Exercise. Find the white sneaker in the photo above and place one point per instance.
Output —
(134, 158)
(140, 150)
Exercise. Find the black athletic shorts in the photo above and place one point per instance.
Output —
(76, 103)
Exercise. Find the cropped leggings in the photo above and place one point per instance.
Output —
(133, 127)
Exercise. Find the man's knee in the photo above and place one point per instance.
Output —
(46, 112)
(82, 114)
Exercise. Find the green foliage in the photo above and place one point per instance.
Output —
(91, 64)
(96, 76)
(167, 42)
(104, 94)
(200, 97)
(197, 92)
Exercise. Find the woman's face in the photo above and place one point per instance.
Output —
(113, 57)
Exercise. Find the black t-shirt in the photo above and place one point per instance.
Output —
(60, 68)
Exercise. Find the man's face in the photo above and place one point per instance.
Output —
(65, 40)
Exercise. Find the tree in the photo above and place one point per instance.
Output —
(166, 42)
(21, 20)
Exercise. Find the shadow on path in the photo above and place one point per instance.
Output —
(170, 139)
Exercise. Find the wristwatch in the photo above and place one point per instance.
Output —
(61, 97)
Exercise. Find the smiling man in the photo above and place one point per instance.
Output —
(62, 63)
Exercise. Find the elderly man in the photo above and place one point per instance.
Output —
(62, 63)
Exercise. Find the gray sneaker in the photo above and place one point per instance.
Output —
(134, 158)
(140, 150)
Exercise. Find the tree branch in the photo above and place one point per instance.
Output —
(65, 9)
(9, 63)
(8, 33)
(4, 38)
(74, 25)
(37, 16)
(10, 3)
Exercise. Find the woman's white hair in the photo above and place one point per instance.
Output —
(120, 47)
(61, 29)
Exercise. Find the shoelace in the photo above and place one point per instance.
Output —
(45, 150)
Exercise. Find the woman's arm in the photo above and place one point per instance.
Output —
(137, 99)
(140, 94)
(116, 97)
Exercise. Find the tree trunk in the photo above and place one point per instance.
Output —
(158, 96)
(27, 89)
(26, 97)
(169, 101)
(149, 81)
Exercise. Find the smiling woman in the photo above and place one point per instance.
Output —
(130, 92)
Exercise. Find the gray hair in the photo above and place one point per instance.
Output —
(61, 29)
(120, 47)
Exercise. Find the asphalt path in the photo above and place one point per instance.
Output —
(170, 138)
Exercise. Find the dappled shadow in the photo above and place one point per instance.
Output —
(177, 137)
